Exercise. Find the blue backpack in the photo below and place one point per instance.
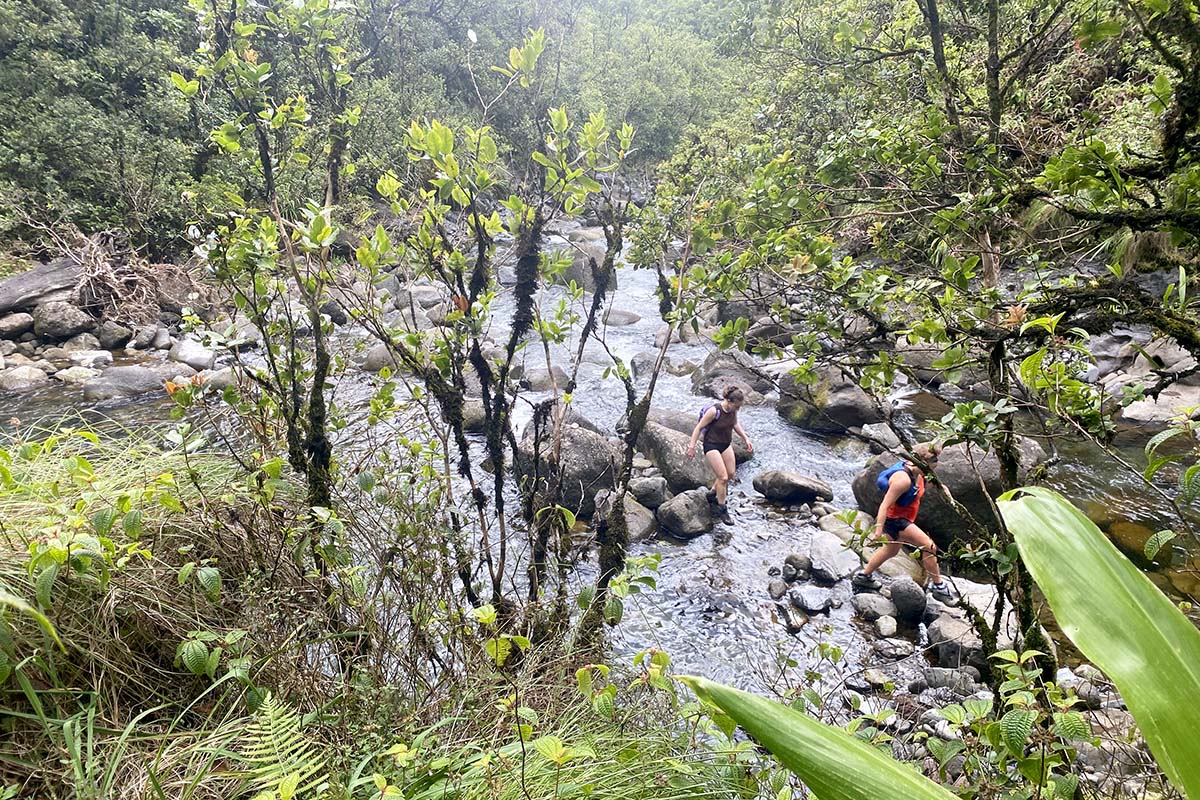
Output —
(906, 499)
(704, 411)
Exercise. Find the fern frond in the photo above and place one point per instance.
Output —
(275, 748)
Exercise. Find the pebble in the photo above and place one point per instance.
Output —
(777, 589)
(885, 626)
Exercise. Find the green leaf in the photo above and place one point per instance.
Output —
(45, 583)
(833, 764)
(1016, 726)
(1155, 543)
(194, 655)
(10, 600)
(1135, 634)
(188, 88)
(1071, 726)
(209, 579)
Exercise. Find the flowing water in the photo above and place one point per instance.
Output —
(710, 611)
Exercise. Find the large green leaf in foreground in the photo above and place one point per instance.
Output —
(832, 763)
(1120, 621)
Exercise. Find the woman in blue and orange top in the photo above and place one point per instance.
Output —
(896, 526)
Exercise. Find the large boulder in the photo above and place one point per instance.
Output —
(193, 353)
(13, 325)
(22, 379)
(587, 245)
(725, 368)
(131, 381)
(44, 281)
(831, 560)
(833, 404)
(687, 514)
(909, 599)
(639, 520)
(789, 488)
(651, 491)
(668, 450)
(685, 421)
(957, 472)
(60, 320)
(586, 464)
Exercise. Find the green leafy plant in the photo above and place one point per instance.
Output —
(1136, 635)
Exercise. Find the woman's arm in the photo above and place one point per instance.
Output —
(707, 419)
(742, 433)
(898, 484)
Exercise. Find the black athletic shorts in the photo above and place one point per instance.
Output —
(720, 448)
(893, 525)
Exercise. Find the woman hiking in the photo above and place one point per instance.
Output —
(895, 524)
(717, 424)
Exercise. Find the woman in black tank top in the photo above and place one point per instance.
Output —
(717, 426)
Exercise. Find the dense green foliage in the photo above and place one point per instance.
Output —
(95, 132)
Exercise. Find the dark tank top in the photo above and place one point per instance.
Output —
(720, 430)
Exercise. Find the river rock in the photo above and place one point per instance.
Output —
(1177, 400)
(28, 288)
(777, 588)
(882, 437)
(92, 359)
(112, 335)
(22, 379)
(639, 520)
(685, 421)
(831, 561)
(584, 246)
(963, 682)
(668, 450)
(13, 325)
(380, 356)
(143, 338)
(811, 599)
(220, 379)
(871, 606)
(82, 341)
(909, 599)
(131, 381)
(687, 514)
(162, 339)
(725, 368)
(421, 295)
(193, 353)
(937, 516)
(76, 376)
(792, 618)
(886, 626)
(60, 320)
(833, 404)
(539, 379)
(789, 488)
(586, 464)
(894, 649)
(956, 643)
(650, 491)
(616, 318)
(799, 565)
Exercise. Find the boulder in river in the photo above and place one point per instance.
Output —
(76, 376)
(687, 514)
(639, 520)
(725, 368)
(131, 381)
(22, 379)
(831, 561)
(60, 320)
(811, 599)
(668, 450)
(909, 599)
(833, 404)
(193, 353)
(92, 359)
(789, 488)
(685, 421)
(650, 491)
(112, 335)
(586, 463)
(13, 325)
(42, 282)
(871, 606)
(618, 317)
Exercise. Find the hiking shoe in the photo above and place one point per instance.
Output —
(721, 514)
(862, 580)
(712, 497)
(943, 593)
